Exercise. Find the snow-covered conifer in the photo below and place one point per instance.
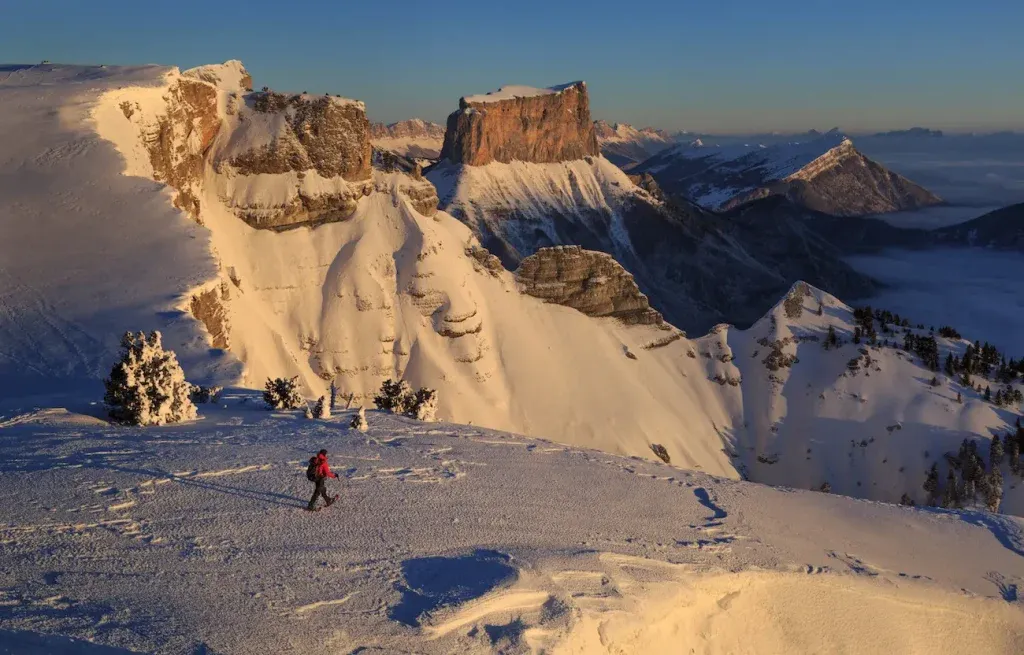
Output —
(993, 490)
(424, 405)
(359, 420)
(321, 409)
(931, 484)
(394, 396)
(995, 453)
(282, 393)
(148, 387)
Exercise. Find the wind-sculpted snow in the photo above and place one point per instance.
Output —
(451, 538)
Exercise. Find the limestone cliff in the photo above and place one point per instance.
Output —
(586, 280)
(522, 124)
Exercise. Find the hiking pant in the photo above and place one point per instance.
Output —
(320, 490)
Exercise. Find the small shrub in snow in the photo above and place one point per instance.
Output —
(204, 395)
(307, 412)
(394, 396)
(282, 393)
(321, 409)
(825, 487)
(661, 452)
(359, 421)
(399, 398)
(424, 405)
(147, 387)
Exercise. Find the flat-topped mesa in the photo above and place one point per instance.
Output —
(588, 281)
(519, 123)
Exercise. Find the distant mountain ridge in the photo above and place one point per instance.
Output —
(414, 138)
(625, 146)
(825, 173)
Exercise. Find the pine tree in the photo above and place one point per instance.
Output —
(995, 453)
(1013, 454)
(334, 396)
(931, 483)
(950, 371)
(950, 497)
(934, 382)
(993, 490)
(147, 386)
(907, 500)
(831, 341)
(321, 409)
(959, 398)
(988, 395)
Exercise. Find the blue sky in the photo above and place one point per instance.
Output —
(725, 66)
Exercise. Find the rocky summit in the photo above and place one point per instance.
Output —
(522, 124)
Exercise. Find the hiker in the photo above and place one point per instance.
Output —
(318, 472)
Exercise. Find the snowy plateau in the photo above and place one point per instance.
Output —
(538, 515)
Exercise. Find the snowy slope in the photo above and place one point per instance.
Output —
(86, 253)
(192, 539)
(872, 433)
(526, 205)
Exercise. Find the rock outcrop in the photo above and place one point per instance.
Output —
(420, 192)
(588, 281)
(180, 139)
(522, 124)
(286, 133)
(208, 308)
(312, 155)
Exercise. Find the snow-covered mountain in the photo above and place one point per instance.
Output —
(625, 146)
(293, 255)
(415, 138)
(523, 189)
(825, 173)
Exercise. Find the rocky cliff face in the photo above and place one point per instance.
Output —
(530, 125)
(311, 156)
(322, 133)
(589, 281)
(179, 140)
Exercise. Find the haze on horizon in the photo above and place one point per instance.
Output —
(735, 67)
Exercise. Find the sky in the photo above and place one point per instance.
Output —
(728, 66)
